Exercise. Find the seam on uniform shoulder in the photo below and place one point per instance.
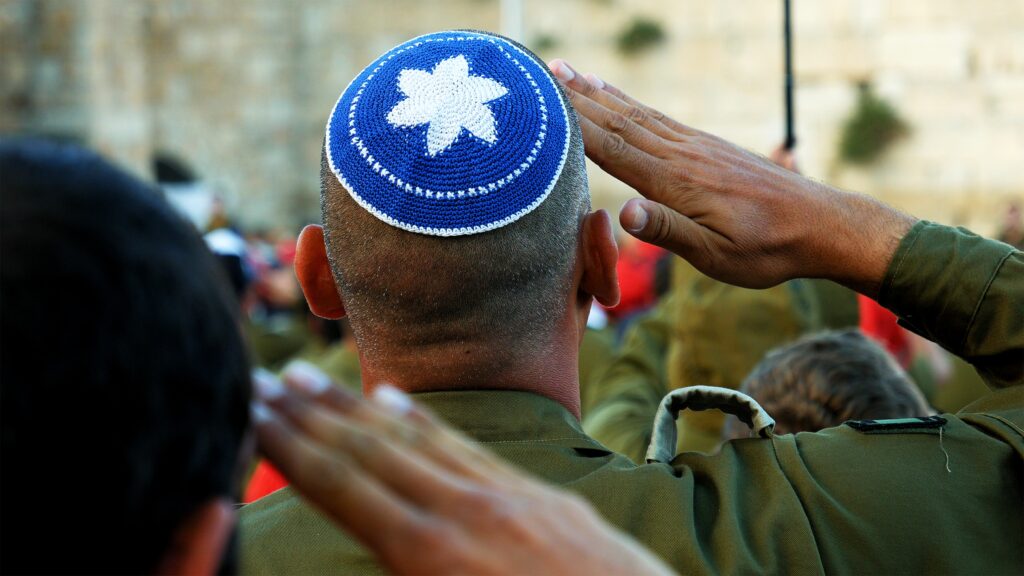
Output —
(984, 293)
(1005, 421)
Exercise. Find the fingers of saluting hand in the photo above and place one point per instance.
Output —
(393, 415)
(620, 146)
(337, 485)
(618, 108)
(680, 130)
(666, 170)
(389, 440)
(622, 160)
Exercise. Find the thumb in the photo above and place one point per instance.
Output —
(660, 225)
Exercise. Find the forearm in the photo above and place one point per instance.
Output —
(852, 239)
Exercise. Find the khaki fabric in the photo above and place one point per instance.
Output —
(722, 332)
(623, 401)
(892, 500)
(705, 333)
(275, 341)
(964, 386)
(338, 361)
(837, 304)
(597, 351)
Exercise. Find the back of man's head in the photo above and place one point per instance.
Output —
(488, 255)
(828, 378)
(124, 376)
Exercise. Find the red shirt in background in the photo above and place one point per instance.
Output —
(637, 266)
(880, 324)
(265, 479)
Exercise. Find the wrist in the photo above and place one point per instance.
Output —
(855, 239)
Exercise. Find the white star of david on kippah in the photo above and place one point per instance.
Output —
(448, 100)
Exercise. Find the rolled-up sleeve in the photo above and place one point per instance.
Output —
(965, 292)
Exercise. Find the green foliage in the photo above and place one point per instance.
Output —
(543, 42)
(640, 35)
(871, 129)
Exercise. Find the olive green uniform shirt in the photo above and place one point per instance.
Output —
(276, 340)
(337, 360)
(597, 351)
(705, 332)
(837, 304)
(879, 499)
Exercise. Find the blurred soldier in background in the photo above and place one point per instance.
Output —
(829, 378)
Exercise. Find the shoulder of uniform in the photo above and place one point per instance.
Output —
(921, 425)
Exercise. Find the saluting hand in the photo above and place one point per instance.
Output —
(420, 496)
(735, 215)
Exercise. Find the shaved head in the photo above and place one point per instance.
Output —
(506, 287)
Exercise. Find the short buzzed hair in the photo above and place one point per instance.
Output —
(509, 284)
(825, 379)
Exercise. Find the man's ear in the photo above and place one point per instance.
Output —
(199, 544)
(600, 255)
(314, 273)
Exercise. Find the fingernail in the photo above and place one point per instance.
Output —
(261, 412)
(267, 386)
(392, 399)
(306, 377)
(637, 221)
(563, 72)
(594, 80)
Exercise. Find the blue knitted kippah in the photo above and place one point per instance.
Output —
(450, 133)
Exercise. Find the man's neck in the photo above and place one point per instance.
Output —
(552, 374)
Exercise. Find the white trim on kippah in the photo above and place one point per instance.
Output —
(479, 190)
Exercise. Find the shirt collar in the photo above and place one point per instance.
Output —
(503, 416)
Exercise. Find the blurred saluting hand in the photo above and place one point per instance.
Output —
(422, 498)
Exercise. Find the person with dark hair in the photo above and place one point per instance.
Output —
(457, 238)
(826, 379)
(125, 381)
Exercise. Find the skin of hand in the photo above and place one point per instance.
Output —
(733, 214)
(421, 497)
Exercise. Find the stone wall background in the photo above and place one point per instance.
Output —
(240, 89)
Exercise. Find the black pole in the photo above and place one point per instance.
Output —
(788, 41)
